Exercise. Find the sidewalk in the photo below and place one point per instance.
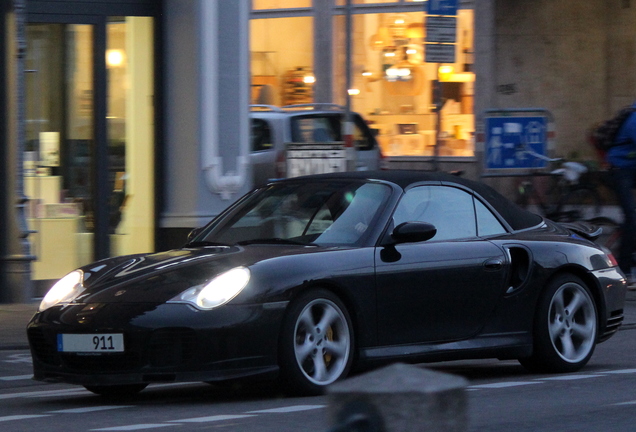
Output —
(13, 321)
(15, 317)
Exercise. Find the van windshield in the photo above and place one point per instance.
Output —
(316, 128)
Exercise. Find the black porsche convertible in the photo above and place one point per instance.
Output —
(307, 279)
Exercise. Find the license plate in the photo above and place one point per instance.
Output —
(94, 343)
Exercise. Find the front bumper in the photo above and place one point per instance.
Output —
(162, 343)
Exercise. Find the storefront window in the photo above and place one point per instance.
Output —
(280, 4)
(58, 160)
(394, 85)
(282, 59)
(62, 143)
(344, 2)
(129, 63)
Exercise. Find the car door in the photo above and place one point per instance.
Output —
(443, 289)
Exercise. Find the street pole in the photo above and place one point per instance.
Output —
(348, 123)
(15, 257)
(437, 97)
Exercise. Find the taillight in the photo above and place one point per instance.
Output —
(612, 259)
(384, 161)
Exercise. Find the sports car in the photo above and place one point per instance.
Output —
(306, 280)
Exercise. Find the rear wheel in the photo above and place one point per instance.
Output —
(565, 327)
(316, 344)
(124, 390)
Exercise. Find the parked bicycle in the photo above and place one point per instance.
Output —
(565, 194)
(572, 194)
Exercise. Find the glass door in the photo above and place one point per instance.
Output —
(89, 162)
(130, 115)
(58, 165)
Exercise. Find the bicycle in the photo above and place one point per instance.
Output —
(571, 196)
(576, 197)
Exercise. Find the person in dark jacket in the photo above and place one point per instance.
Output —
(622, 161)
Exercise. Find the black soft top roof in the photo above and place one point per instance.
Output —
(516, 217)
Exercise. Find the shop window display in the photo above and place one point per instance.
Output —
(280, 4)
(61, 146)
(282, 66)
(395, 86)
(392, 84)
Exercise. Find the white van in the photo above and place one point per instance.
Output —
(314, 127)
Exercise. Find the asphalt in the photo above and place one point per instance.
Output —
(15, 317)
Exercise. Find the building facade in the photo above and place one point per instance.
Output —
(126, 122)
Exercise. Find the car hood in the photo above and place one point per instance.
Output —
(159, 277)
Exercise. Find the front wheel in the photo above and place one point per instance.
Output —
(316, 344)
(565, 327)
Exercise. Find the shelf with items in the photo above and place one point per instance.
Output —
(298, 86)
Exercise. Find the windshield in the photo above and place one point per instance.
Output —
(322, 213)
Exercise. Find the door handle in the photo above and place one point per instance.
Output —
(493, 264)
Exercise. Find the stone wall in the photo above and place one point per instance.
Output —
(548, 54)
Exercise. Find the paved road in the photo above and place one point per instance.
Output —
(502, 395)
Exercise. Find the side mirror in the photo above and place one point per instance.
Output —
(412, 232)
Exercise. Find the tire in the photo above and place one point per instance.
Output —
(565, 327)
(116, 391)
(581, 204)
(316, 344)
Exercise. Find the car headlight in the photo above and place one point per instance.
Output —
(64, 291)
(218, 291)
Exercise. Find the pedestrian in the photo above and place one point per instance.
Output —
(621, 158)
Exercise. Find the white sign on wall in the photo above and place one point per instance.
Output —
(50, 149)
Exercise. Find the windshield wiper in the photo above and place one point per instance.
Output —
(275, 240)
(205, 243)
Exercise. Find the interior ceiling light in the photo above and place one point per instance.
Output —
(114, 57)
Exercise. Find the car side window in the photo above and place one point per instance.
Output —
(487, 223)
(449, 209)
(261, 135)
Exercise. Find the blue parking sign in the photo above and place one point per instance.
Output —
(516, 142)
(442, 7)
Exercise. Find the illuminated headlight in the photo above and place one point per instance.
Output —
(64, 291)
(218, 291)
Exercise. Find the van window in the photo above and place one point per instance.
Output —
(328, 128)
(261, 135)
(315, 129)
(362, 134)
